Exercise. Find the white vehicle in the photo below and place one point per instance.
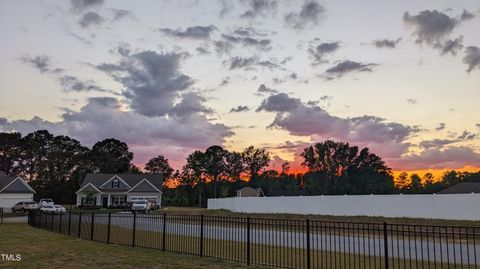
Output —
(60, 209)
(48, 208)
(24, 206)
(46, 201)
(141, 206)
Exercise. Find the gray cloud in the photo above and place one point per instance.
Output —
(412, 101)
(432, 28)
(202, 50)
(152, 81)
(262, 44)
(81, 5)
(451, 46)
(318, 52)
(280, 102)
(194, 32)
(386, 43)
(191, 103)
(347, 67)
(259, 8)
(90, 18)
(119, 14)
(450, 157)
(69, 83)
(472, 58)
(466, 135)
(239, 109)
(309, 14)
(440, 126)
(227, 6)
(240, 62)
(264, 89)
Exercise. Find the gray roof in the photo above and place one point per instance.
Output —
(462, 187)
(131, 179)
(13, 188)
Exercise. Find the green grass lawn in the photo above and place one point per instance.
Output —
(43, 249)
(226, 213)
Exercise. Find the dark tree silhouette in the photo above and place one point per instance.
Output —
(111, 156)
(159, 165)
(255, 160)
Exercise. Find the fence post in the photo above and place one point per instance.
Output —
(201, 235)
(134, 228)
(109, 222)
(51, 224)
(248, 240)
(385, 243)
(164, 230)
(91, 227)
(79, 223)
(69, 221)
(60, 223)
(308, 243)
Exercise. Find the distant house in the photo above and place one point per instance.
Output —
(116, 189)
(462, 187)
(14, 190)
(249, 192)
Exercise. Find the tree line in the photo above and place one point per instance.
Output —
(55, 166)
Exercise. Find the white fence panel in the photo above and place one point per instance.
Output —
(431, 206)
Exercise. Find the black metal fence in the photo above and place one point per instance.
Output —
(278, 242)
(6, 216)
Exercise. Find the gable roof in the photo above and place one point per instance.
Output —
(462, 187)
(98, 180)
(14, 185)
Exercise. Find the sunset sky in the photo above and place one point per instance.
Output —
(171, 77)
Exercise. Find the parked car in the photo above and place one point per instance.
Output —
(141, 206)
(25, 206)
(46, 201)
(48, 208)
(60, 209)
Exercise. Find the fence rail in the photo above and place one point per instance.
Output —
(7, 217)
(276, 242)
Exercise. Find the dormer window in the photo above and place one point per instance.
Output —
(115, 184)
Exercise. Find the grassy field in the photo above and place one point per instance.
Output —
(43, 249)
(226, 213)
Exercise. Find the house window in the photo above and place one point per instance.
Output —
(115, 184)
(118, 200)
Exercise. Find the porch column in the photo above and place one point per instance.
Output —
(108, 203)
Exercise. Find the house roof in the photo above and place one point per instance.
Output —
(12, 185)
(462, 187)
(98, 180)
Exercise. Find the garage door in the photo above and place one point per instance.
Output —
(8, 202)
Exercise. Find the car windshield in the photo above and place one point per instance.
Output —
(47, 200)
(140, 202)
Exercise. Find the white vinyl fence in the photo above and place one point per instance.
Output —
(430, 206)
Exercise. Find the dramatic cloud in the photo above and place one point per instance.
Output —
(347, 67)
(239, 109)
(436, 158)
(102, 118)
(81, 5)
(260, 8)
(472, 58)
(195, 32)
(90, 18)
(309, 15)
(386, 43)
(386, 138)
(318, 52)
(152, 81)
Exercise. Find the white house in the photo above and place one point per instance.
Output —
(13, 190)
(117, 189)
